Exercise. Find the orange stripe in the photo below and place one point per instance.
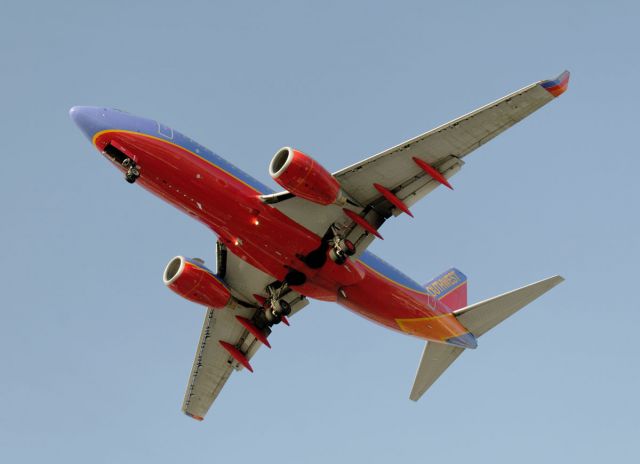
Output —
(439, 327)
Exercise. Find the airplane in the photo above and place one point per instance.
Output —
(275, 250)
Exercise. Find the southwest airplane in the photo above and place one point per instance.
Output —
(277, 249)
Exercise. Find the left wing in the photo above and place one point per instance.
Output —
(389, 182)
(213, 362)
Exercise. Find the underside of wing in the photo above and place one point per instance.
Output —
(226, 343)
(443, 147)
(390, 182)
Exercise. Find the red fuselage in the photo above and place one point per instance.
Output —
(196, 181)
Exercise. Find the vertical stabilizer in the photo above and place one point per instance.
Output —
(450, 288)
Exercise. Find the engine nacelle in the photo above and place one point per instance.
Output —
(191, 280)
(304, 177)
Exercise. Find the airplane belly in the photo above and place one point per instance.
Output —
(265, 237)
(257, 233)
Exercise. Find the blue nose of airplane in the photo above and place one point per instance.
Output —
(90, 119)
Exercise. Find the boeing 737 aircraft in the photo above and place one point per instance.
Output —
(277, 249)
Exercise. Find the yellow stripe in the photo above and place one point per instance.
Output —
(421, 319)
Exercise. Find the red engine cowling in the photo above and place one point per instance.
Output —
(304, 177)
(191, 280)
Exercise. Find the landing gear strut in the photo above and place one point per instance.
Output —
(132, 170)
(333, 244)
(341, 249)
(276, 310)
(275, 307)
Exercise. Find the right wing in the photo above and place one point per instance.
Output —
(213, 364)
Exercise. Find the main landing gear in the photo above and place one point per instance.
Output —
(341, 249)
(133, 172)
(335, 245)
(275, 307)
(276, 310)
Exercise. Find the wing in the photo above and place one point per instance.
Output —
(436, 358)
(409, 171)
(213, 362)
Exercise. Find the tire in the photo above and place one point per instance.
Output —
(130, 179)
(285, 308)
(270, 317)
(349, 248)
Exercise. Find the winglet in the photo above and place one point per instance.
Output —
(557, 86)
(193, 416)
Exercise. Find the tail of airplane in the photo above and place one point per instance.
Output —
(478, 318)
(450, 288)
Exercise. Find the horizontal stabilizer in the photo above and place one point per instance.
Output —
(436, 358)
(478, 319)
(481, 317)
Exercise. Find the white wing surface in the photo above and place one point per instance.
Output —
(213, 363)
(396, 169)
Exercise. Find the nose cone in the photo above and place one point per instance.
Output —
(90, 119)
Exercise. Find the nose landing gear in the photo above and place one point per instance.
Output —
(133, 172)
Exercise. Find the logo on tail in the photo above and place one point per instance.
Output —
(450, 288)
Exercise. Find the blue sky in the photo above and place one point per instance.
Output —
(95, 353)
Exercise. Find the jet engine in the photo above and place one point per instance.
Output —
(190, 279)
(304, 177)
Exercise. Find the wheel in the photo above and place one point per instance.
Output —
(127, 162)
(337, 257)
(135, 172)
(130, 178)
(285, 308)
(348, 247)
(271, 317)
